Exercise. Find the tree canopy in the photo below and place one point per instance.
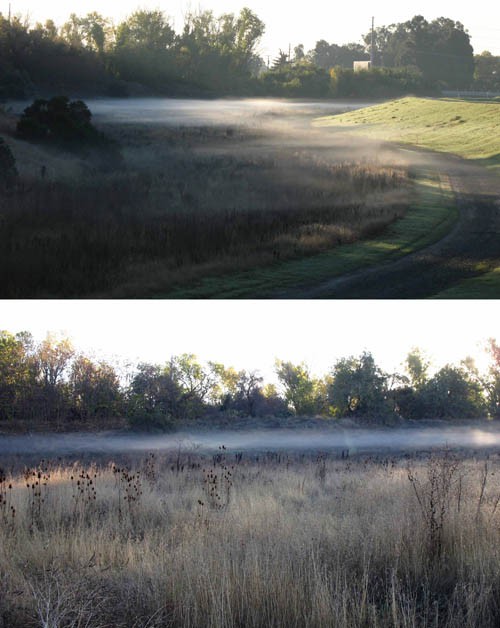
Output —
(219, 54)
(49, 381)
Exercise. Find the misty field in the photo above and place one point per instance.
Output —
(186, 202)
(233, 540)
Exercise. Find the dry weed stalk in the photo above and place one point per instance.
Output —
(434, 497)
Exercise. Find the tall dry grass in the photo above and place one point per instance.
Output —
(229, 542)
(179, 212)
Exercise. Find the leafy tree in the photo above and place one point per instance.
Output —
(487, 71)
(249, 30)
(328, 56)
(243, 392)
(359, 388)
(48, 30)
(179, 390)
(301, 390)
(220, 53)
(152, 396)
(95, 389)
(16, 373)
(53, 357)
(440, 49)
(95, 31)
(417, 366)
(249, 389)
(452, 393)
(145, 29)
(224, 386)
(72, 31)
(298, 53)
(492, 384)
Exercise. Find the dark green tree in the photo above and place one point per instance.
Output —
(487, 71)
(145, 29)
(95, 389)
(327, 56)
(440, 49)
(452, 393)
(359, 388)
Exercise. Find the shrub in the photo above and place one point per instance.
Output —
(154, 420)
(57, 119)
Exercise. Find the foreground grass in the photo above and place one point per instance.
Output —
(468, 129)
(224, 542)
(430, 217)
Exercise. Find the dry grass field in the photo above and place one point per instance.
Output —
(185, 203)
(269, 541)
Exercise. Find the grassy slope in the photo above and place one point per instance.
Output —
(431, 216)
(468, 129)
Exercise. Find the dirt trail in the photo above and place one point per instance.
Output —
(475, 238)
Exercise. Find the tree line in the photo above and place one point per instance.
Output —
(49, 382)
(215, 55)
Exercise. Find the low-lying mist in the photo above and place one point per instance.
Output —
(395, 440)
(204, 189)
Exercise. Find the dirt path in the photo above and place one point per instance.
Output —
(475, 238)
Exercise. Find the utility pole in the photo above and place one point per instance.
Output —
(9, 12)
(289, 53)
(372, 47)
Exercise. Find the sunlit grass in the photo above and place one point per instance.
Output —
(468, 129)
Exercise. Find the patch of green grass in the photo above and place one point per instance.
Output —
(468, 129)
(485, 286)
(429, 218)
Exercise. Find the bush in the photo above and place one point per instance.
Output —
(155, 420)
(57, 119)
(68, 123)
(379, 83)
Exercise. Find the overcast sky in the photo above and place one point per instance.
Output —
(251, 334)
(294, 22)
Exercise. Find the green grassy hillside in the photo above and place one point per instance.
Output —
(468, 129)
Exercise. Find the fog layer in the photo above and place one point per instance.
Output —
(296, 440)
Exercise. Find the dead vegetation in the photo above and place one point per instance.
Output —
(267, 540)
(188, 203)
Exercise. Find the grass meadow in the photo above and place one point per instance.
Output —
(269, 540)
(180, 210)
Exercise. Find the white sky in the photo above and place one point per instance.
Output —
(251, 334)
(293, 22)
